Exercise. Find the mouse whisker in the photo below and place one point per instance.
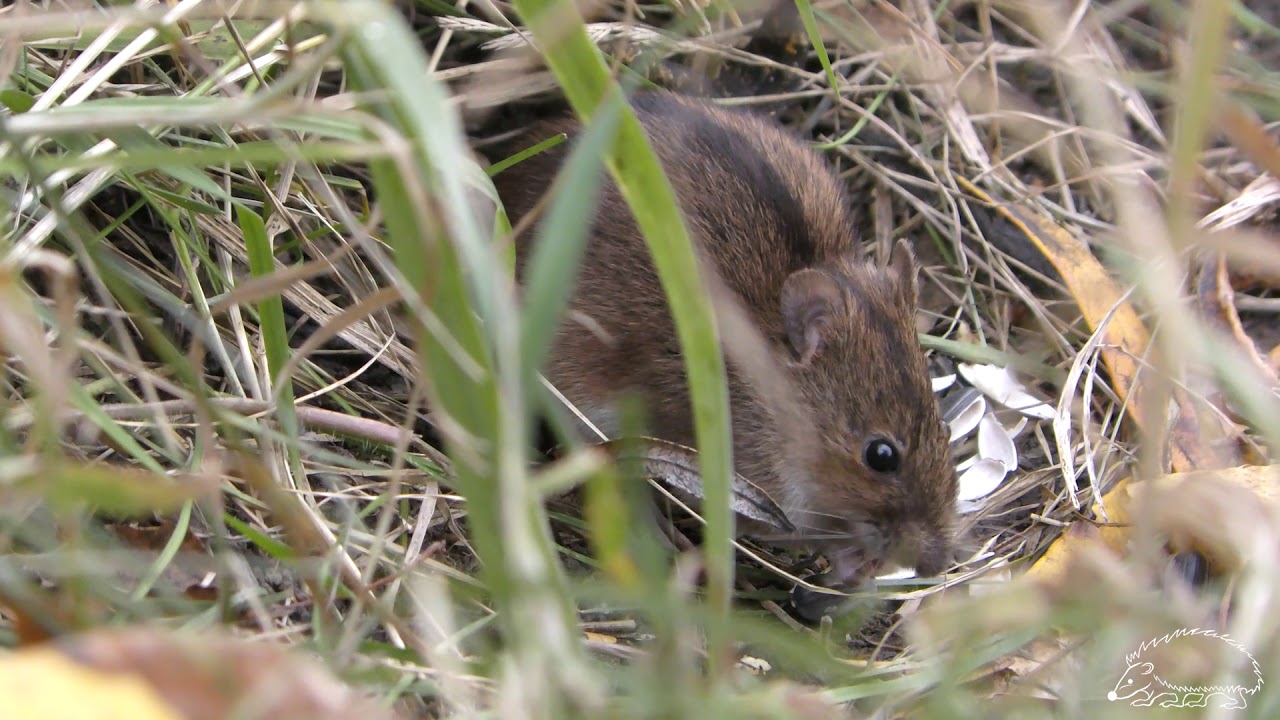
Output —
(826, 537)
(778, 538)
(816, 513)
(813, 532)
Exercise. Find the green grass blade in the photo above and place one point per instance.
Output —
(459, 274)
(553, 266)
(815, 38)
(523, 155)
(575, 62)
(275, 333)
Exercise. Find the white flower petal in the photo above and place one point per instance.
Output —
(987, 378)
(1000, 385)
(1017, 429)
(963, 411)
(981, 479)
(1028, 404)
(900, 574)
(995, 443)
(943, 382)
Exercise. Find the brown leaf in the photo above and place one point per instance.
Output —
(1249, 135)
(1213, 512)
(1217, 301)
(44, 683)
(190, 568)
(1217, 513)
(1126, 339)
(150, 674)
(1053, 564)
(676, 466)
(601, 638)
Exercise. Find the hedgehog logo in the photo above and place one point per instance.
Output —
(1143, 685)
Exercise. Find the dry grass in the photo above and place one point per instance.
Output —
(200, 210)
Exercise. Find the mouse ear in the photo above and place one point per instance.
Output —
(810, 301)
(904, 267)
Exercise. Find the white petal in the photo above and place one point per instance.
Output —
(943, 382)
(984, 377)
(1000, 385)
(995, 443)
(981, 479)
(900, 574)
(966, 463)
(1028, 404)
(963, 411)
(1017, 429)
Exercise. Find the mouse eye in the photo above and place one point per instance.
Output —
(882, 456)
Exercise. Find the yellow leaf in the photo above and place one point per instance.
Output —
(42, 684)
(1053, 564)
(1096, 293)
(1257, 486)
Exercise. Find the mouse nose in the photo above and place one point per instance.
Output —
(934, 557)
(922, 548)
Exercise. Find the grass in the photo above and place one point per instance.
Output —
(260, 339)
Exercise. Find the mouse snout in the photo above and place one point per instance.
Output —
(852, 565)
(935, 558)
(926, 550)
(869, 549)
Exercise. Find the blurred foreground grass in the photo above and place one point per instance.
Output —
(215, 405)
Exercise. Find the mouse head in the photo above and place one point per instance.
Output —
(879, 485)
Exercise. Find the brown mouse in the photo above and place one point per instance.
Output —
(857, 456)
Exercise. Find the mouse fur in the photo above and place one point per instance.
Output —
(773, 221)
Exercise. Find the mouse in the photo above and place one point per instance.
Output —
(855, 453)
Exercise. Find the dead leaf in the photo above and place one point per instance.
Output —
(1256, 198)
(1126, 338)
(1212, 512)
(601, 638)
(1031, 660)
(188, 572)
(1053, 563)
(676, 466)
(1217, 513)
(1248, 134)
(150, 674)
(1217, 301)
(44, 683)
